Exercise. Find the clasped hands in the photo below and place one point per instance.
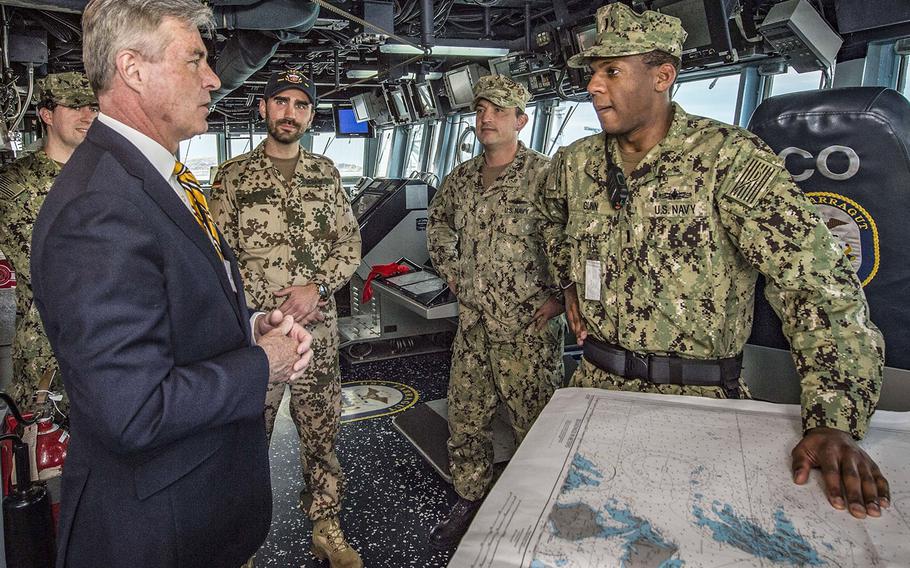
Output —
(286, 343)
(302, 303)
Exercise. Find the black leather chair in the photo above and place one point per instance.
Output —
(849, 150)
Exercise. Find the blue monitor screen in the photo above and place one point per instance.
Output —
(346, 124)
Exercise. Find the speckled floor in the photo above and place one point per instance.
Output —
(393, 496)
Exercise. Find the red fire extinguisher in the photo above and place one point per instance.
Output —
(28, 526)
(51, 441)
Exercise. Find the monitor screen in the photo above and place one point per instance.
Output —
(347, 125)
(425, 99)
(398, 105)
(500, 66)
(361, 107)
(692, 13)
(460, 87)
(705, 21)
(585, 36)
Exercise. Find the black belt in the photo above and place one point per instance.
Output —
(665, 369)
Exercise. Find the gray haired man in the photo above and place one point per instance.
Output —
(144, 308)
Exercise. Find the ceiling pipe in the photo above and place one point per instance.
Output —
(262, 26)
(487, 23)
(426, 23)
(528, 31)
(71, 6)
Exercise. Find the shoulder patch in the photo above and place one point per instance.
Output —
(752, 182)
(9, 189)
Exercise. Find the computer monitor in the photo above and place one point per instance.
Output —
(500, 66)
(371, 106)
(460, 82)
(361, 107)
(585, 36)
(399, 104)
(424, 100)
(705, 21)
(347, 125)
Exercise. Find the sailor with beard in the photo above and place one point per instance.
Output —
(284, 212)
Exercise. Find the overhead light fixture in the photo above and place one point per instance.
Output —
(367, 73)
(360, 73)
(446, 50)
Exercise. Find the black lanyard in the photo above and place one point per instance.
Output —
(616, 180)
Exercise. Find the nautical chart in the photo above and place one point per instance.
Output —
(648, 481)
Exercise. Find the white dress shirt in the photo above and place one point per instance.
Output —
(162, 160)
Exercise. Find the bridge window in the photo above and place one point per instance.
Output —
(415, 150)
(200, 154)
(237, 146)
(384, 153)
(525, 134)
(465, 121)
(903, 81)
(713, 98)
(793, 82)
(580, 120)
(347, 153)
(434, 151)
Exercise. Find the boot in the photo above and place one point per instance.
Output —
(449, 531)
(329, 544)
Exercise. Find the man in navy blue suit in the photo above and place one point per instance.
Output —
(144, 307)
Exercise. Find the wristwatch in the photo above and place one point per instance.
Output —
(323, 292)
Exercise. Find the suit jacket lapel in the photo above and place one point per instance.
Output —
(164, 196)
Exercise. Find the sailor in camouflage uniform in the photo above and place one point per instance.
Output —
(483, 238)
(286, 214)
(659, 269)
(67, 107)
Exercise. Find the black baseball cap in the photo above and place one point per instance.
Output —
(290, 79)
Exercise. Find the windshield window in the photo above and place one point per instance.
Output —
(525, 134)
(200, 154)
(347, 153)
(713, 98)
(793, 82)
(385, 153)
(415, 150)
(237, 146)
(582, 122)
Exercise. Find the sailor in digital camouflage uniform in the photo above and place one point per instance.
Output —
(286, 214)
(660, 288)
(483, 238)
(66, 107)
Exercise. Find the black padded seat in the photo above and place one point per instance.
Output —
(849, 151)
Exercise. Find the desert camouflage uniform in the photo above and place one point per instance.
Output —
(24, 185)
(710, 207)
(487, 241)
(292, 234)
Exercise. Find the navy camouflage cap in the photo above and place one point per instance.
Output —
(69, 89)
(501, 91)
(290, 79)
(621, 32)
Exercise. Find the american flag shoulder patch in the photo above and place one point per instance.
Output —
(9, 190)
(752, 182)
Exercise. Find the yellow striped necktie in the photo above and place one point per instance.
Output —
(199, 205)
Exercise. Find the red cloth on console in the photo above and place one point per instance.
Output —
(384, 270)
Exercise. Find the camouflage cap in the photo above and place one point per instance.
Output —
(621, 32)
(501, 91)
(68, 89)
